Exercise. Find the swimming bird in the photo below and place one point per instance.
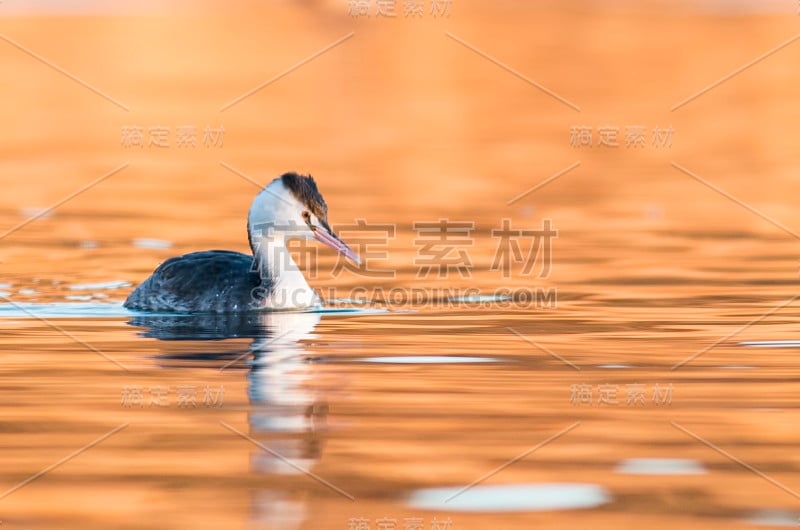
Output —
(221, 281)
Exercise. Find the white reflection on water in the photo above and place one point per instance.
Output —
(782, 518)
(660, 466)
(146, 242)
(426, 359)
(278, 380)
(771, 344)
(64, 310)
(114, 284)
(511, 498)
(286, 418)
(115, 309)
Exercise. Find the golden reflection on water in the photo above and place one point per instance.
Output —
(658, 276)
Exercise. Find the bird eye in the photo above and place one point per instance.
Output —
(307, 217)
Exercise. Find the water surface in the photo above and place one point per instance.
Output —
(652, 384)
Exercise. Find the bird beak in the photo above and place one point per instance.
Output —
(333, 241)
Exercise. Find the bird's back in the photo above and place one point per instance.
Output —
(214, 281)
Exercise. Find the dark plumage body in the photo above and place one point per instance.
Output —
(225, 280)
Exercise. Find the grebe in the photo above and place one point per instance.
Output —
(221, 281)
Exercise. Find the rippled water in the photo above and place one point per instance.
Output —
(650, 382)
(316, 420)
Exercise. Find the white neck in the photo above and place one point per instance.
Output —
(272, 211)
(288, 288)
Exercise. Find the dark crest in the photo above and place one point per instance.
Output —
(305, 190)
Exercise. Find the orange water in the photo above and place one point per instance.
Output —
(659, 276)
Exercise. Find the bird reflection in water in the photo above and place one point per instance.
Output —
(287, 416)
